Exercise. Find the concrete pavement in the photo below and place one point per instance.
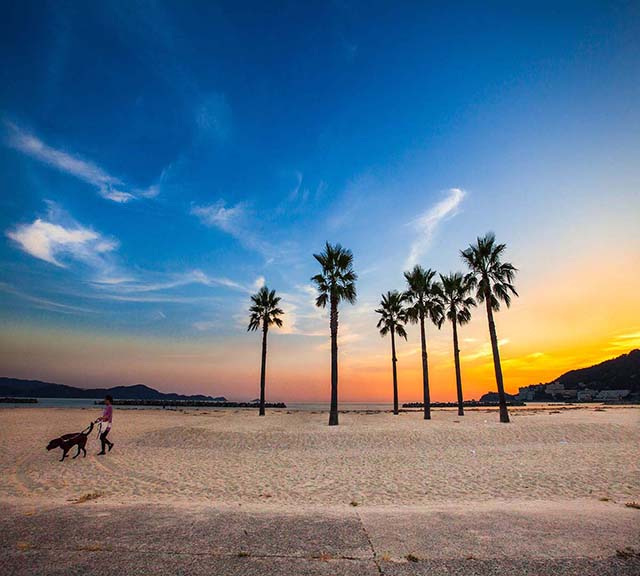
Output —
(104, 539)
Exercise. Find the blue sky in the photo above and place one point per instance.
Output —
(159, 161)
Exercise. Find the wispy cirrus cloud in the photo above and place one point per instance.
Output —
(624, 342)
(236, 221)
(302, 194)
(213, 116)
(230, 220)
(485, 351)
(57, 237)
(206, 325)
(301, 315)
(427, 223)
(133, 286)
(44, 303)
(108, 186)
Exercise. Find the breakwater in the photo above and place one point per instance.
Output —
(466, 404)
(192, 403)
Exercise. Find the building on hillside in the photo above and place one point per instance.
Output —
(587, 395)
(528, 392)
(605, 395)
(559, 392)
(554, 388)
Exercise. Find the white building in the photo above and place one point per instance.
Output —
(612, 394)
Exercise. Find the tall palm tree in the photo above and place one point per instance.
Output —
(335, 283)
(393, 318)
(264, 313)
(494, 284)
(457, 303)
(423, 296)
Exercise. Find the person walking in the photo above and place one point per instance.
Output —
(105, 424)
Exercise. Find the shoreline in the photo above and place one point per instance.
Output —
(344, 407)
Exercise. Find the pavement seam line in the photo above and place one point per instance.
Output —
(373, 550)
(180, 553)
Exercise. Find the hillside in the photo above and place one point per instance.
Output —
(618, 378)
(618, 373)
(12, 387)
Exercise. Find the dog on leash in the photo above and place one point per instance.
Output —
(68, 441)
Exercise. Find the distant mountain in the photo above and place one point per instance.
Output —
(493, 398)
(618, 373)
(618, 378)
(12, 387)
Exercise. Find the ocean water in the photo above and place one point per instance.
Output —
(55, 403)
(90, 403)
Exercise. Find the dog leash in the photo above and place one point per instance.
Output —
(100, 429)
(88, 428)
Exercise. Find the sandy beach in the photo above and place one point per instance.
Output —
(293, 459)
(228, 492)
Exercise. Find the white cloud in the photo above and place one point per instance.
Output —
(427, 224)
(301, 315)
(235, 221)
(485, 351)
(109, 187)
(116, 195)
(293, 195)
(158, 282)
(50, 241)
(45, 303)
(151, 191)
(216, 215)
(213, 116)
(205, 325)
(58, 239)
(351, 203)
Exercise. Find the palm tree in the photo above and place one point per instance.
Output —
(457, 303)
(493, 280)
(424, 302)
(336, 282)
(264, 313)
(393, 317)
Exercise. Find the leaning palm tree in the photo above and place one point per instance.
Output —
(393, 318)
(264, 313)
(494, 284)
(336, 282)
(423, 296)
(456, 290)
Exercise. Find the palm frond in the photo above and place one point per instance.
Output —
(456, 288)
(393, 316)
(423, 295)
(264, 310)
(337, 281)
(493, 278)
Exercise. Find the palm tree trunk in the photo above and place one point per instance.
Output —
(264, 368)
(333, 414)
(425, 371)
(456, 358)
(504, 414)
(395, 372)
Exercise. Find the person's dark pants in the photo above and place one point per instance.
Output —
(103, 439)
